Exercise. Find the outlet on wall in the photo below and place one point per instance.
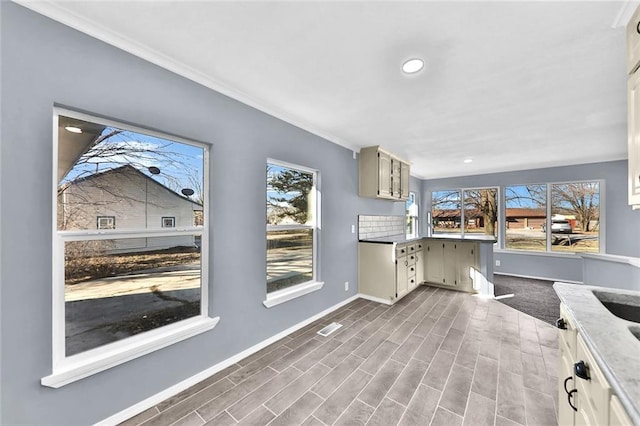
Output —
(346, 286)
(497, 263)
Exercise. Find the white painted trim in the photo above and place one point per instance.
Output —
(625, 13)
(633, 261)
(538, 278)
(567, 255)
(103, 358)
(281, 296)
(375, 299)
(187, 383)
(57, 12)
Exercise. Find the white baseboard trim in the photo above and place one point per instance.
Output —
(537, 278)
(185, 384)
(375, 299)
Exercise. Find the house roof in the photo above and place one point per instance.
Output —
(123, 171)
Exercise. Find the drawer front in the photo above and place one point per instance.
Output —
(402, 250)
(593, 394)
(412, 248)
(411, 259)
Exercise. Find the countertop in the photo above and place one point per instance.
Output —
(614, 347)
(399, 239)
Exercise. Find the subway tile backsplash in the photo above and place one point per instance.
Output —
(380, 226)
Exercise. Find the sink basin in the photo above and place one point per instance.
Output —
(623, 306)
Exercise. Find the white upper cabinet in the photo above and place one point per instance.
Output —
(633, 97)
(383, 175)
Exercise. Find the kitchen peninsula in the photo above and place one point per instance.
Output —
(389, 267)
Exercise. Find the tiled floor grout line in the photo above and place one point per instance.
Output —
(454, 310)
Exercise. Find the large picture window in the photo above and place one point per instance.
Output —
(575, 217)
(292, 224)
(558, 217)
(468, 211)
(123, 287)
(526, 217)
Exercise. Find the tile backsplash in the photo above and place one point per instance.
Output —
(380, 226)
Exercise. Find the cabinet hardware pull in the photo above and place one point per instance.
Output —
(561, 324)
(569, 395)
(581, 370)
(565, 383)
(638, 28)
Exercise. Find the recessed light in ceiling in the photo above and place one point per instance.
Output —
(73, 129)
(468, 160)
(412, 66)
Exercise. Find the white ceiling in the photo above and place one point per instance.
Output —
(512, 85)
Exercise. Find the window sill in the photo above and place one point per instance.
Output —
(568, 255)
(281, 296)
(103, 358)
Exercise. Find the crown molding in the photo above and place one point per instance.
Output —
(55, 10)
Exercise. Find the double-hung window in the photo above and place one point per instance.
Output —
(121, 292)
(293, 222)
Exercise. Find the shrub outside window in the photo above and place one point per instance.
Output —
(119, 287)
(292, 224)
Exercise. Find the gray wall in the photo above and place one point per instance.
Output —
(621, 225)
(45, 63)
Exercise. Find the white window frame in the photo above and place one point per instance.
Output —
(110, 219)
(416, 223)
(173, 221)
(462, 233)
(549, 197)
(68, 369)
(277, 297)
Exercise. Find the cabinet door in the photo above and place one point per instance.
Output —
(395, 178)
(466, 264)
(633, 123)
(633, 41)
(419, 265)
(450, 270)
(434, 261)
(565, 379)
(404, 181)
(384, 174)
(402, 286)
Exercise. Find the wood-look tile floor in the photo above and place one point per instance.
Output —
(437, 357)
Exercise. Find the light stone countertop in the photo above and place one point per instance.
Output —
(609, 338)
(399, 239)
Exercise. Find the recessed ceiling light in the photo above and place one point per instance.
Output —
(73, 129)
(412, 66)
(468, 160)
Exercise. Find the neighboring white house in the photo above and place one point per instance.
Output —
(125, 198)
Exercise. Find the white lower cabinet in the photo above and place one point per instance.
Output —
(386, 272)
(584, 394)
(449, 263)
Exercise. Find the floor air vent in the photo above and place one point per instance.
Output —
(329, 329)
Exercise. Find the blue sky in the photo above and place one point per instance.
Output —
(178, 162)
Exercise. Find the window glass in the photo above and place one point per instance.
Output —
(122, 282)
(134, 177)
(575, 217)
(445, 212)
(525, 217)
(481, 211)
(121, 287)
(412, 216)
(291, 226)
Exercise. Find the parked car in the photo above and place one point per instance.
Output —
(559, 226)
